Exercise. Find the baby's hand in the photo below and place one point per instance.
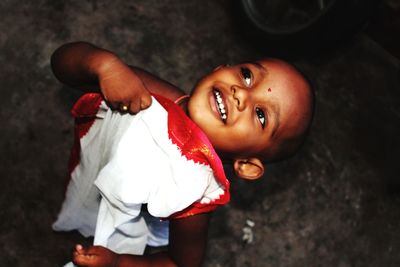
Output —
(95, 256)
(122, 88)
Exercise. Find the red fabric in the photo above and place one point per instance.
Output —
(84, 111)
(194, 145)
(183, 132)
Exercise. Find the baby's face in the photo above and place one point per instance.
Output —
(244, 109)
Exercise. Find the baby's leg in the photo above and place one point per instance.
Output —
(95, 256)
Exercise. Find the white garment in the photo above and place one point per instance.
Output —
(127, 161)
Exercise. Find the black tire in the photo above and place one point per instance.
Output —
(336, 22)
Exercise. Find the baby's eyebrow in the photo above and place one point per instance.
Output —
(259, 66)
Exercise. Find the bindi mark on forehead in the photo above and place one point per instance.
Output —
(269, 90)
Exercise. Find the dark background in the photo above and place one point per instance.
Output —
(336, 203)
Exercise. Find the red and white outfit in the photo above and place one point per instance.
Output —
(157, 157)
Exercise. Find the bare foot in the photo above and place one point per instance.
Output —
(95, 256)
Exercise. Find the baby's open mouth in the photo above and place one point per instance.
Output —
(220, 105)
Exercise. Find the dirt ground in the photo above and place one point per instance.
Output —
(336, 203)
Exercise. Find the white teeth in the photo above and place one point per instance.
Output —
(220, 105)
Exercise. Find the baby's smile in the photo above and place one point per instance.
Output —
(220, 105)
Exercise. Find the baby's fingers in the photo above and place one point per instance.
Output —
(139, 104)
(145, 101)
(81, 257)
(84, 260)
(79, 249)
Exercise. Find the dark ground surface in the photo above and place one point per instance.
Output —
(335, 204)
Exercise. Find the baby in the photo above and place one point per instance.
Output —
(252, 113)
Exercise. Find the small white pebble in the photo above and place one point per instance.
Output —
(250, 223)
(248, 236)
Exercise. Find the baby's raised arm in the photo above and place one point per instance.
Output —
(90, 68)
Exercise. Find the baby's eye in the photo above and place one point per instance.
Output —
(261, 116)
(247, 75)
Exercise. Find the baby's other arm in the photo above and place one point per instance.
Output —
(90, 68)
(187, 245)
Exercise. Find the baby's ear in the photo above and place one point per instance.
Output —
(250, 168)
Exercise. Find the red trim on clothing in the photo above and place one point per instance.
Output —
(84, 111)
(195, 146)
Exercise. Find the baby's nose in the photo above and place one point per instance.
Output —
(240, 95)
